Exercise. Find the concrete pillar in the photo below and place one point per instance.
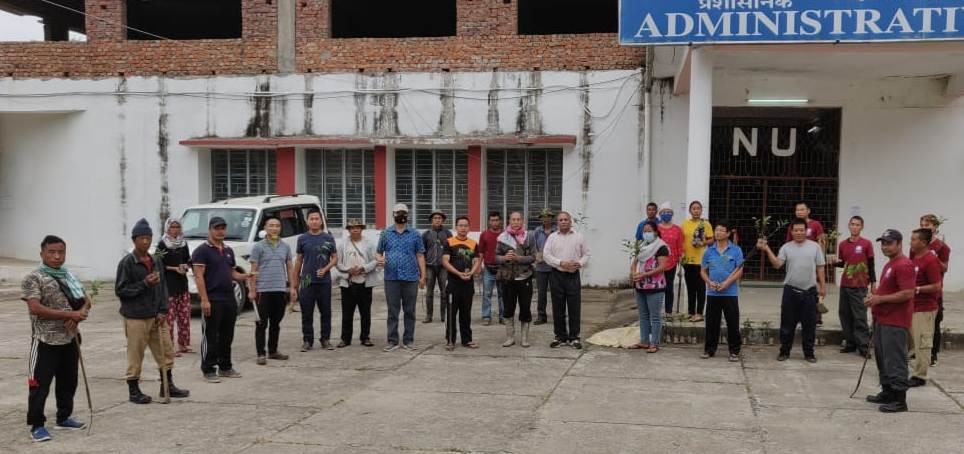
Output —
(286, 36)
(700, 128)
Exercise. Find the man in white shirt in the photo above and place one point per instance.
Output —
(566, 252)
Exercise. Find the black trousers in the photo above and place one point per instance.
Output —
(518, 293)
(217, 335)
(718, 307)
(356, 295)
(798, 307)
(566, 301)
(853, 317)
(695, 289)
(890, 352)
(271, 309)
(668, 295)
(459, 296)
(542, 283)
(48, 362)
(936, 347)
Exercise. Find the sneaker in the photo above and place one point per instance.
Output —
(327, 345)
(783, 356)
(410, 347)
(278, 356)
(212, 377)
(486, 321)
(427, 320)
(810, 359)
(40, 434)
(556, 343)
(734, 357)
(706, 355)
(262, 360)
(848, 349)
(305, 346)
(576, 344)
(70, 424)
(230, 373)
(933, 361)
(390, 348)
(916, 382)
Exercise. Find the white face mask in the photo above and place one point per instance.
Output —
(649, 237)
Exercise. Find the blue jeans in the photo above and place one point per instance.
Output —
(400, 295)
(650, 307)
(488, 282)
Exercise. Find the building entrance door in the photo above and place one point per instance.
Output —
(764, 160)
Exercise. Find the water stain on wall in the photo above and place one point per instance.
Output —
(162, 153)
(446, 121)
(309, 102)
(586, 136)
(122, 151)
(260, 123)
(386, 105)
(492, 119)
(529, 119)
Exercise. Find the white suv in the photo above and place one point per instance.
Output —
(245, 217)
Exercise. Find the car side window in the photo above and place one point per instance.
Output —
(291, 223)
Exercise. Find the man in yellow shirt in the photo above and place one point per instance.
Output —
(697, 235)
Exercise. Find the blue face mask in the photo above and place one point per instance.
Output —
(649, 237)
(666, 217)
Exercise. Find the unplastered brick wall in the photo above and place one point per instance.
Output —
(107, 52)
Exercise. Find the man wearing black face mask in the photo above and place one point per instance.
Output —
(402, 253)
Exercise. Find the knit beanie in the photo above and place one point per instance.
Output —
(141, 228)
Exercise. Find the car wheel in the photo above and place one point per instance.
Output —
(240, 296)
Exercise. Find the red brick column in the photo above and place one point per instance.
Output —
(475, 187)
(106, 20)
(381, 185)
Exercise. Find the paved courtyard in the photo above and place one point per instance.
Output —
(494, 399)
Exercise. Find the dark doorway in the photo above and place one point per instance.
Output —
(753, 176)
(550, 17)
(183, 19)
(392, 19)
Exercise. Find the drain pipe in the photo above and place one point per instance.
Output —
(646, 160)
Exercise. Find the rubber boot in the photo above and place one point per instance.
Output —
(886, 395)
(525, 335)
(899, 404)
(509, 332)
(174, 390)
(136, 396)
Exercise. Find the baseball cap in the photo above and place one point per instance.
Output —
(400, 207)
(216, 222)
(891, 235)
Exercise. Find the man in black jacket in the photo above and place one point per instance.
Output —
(435, 239)
(143, 297)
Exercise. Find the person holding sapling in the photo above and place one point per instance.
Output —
(697, 236)
(722, 269)
(647, 270)
(316, 256)
(856, 256)
(462, 261)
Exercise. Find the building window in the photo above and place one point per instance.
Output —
(428, 180)
(524, 180)
(42, 21)
(242, 173)
(550, 17)
(392, 19)
(344, 181)
(183, 19)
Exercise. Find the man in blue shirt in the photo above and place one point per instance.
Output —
(722, 269)
(402, 253)
(543, 270)
(316, 256)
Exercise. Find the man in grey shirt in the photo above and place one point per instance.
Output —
(803, 283)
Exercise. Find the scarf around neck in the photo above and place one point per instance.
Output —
(65, 276)
(519, 234)
(649, 250)
(170, 241)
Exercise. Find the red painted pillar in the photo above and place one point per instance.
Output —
(475, 186)
(381, 185)
(285, 176)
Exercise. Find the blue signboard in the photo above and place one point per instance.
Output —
(643, 22)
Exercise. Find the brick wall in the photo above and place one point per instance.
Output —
(486, 39)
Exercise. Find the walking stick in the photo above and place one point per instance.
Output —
(83, 373)
(165, 386)
(860, 378)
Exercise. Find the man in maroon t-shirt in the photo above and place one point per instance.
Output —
(487, 242)
(926, 294)
(943, 253)
(856, 256)
(893, 309)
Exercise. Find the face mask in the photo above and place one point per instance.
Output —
(401, 219)
(649, 237)
(666, 217)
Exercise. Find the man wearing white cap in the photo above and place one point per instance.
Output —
(402, 253)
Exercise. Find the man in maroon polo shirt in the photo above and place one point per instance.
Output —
(943, 253)
(926, 294)
(856, 256)
(893, 309)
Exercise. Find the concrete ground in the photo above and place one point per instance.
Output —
(494, 399)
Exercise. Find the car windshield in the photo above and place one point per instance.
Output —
(240, 220)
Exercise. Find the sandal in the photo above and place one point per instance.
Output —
(652, 349)
(696, 318)
(471, 345)
(450, 347)
(639, 346)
